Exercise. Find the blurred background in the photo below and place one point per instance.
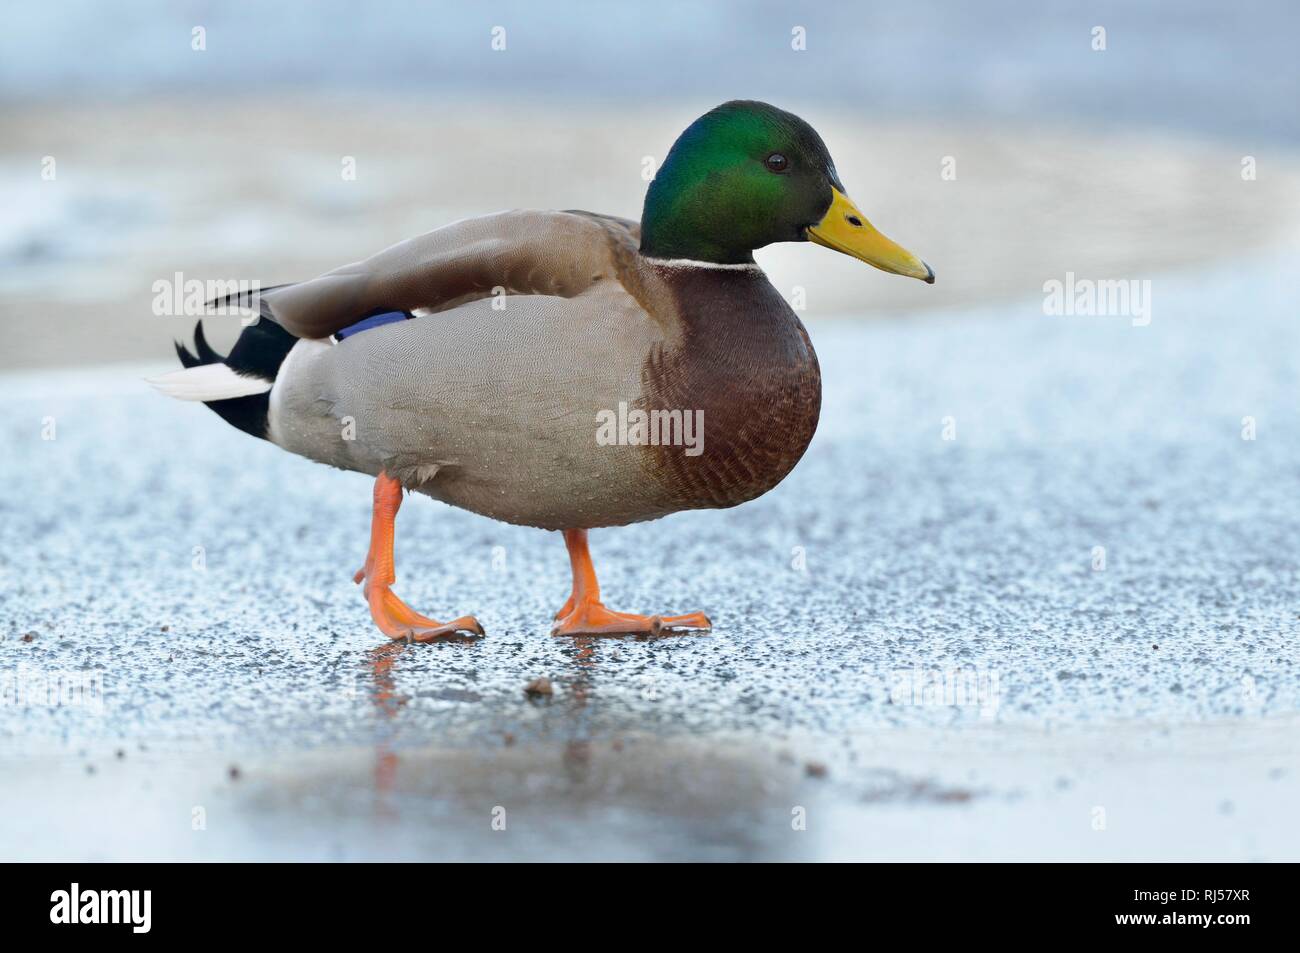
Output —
(1095, 519)
(226, 161)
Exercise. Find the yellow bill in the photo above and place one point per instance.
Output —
(847, 230)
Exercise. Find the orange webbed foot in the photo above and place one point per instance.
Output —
(585, 614)
(397, 620)
(394, 617)
(566, 608)
(592, 618)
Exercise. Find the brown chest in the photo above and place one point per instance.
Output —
(745, 371)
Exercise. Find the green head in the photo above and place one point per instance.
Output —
(747, 174)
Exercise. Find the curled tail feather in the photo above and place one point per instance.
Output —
(238, 385)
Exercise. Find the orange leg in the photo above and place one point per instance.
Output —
(585, 614)
(394, 617)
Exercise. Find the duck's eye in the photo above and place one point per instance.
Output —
(777, 162)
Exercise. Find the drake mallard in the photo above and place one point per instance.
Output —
(565, 370)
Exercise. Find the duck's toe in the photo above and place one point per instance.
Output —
(397, 620)
(592, 618)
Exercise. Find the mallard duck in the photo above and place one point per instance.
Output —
(561, 369)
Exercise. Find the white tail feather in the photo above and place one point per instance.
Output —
(208, 382)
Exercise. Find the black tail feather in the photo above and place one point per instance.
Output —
(243, 298)
(182, 352)
(259, 352)
(206, 354)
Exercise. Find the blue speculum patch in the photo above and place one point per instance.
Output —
(374, 321)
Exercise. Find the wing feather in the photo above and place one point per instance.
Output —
(521, 251)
